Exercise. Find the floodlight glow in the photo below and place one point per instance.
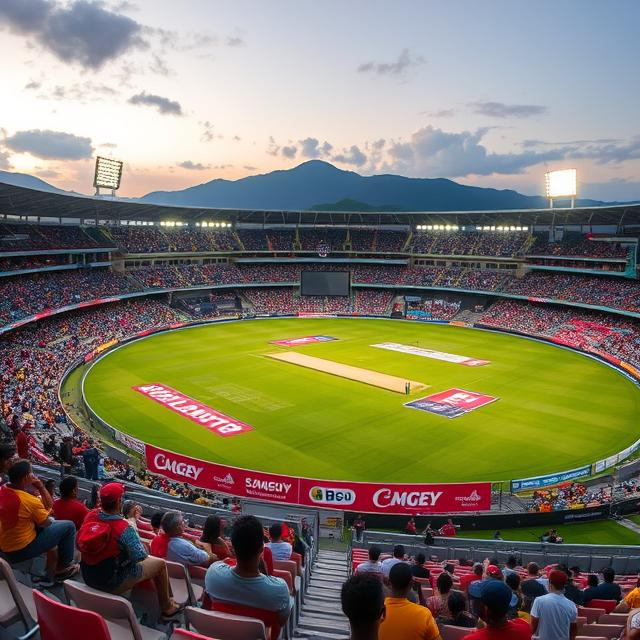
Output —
(108, 173)
(561, 184)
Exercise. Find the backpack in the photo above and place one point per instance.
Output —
(97, 540)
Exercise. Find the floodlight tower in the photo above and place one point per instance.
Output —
(561, 184)
(107, 175)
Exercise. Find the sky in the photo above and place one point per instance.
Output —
(490, 93)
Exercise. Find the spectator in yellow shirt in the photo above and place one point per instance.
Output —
(630, 601)
(27, 531)
(404, 619)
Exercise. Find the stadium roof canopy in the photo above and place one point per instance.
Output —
(22, 201)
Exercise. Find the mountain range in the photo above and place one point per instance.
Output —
(318, 185)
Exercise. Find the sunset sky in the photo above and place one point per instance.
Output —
(490, 93)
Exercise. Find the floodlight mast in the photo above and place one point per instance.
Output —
(562, 183)
(108, 175)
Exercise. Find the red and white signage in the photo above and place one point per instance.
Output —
(467, 400)
(193, 410)
(367, 497)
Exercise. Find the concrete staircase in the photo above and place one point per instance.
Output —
(321, 615)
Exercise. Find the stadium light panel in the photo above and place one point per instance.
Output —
(562, 183)
(108, 173)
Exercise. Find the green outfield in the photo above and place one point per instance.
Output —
(557, 409)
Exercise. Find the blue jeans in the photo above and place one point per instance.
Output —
(60, 533)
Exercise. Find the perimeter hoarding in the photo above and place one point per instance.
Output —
(367, 497)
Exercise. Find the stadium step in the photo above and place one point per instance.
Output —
(321, 615)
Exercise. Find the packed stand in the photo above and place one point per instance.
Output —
(571, 495)
(32, 262)
(577, 246)
(154, 239)
(593, 331)
(617, 293)
(327, 239)
(470, 243)
(23, 237)
(23, 296)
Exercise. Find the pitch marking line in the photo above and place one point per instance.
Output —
(374, 378)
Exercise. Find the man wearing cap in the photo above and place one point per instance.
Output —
(554, 617)
(112, 556)
(404, 619)
(496, 599)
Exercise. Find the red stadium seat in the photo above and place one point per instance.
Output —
(607, 605)
(59, 621)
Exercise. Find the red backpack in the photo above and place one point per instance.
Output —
(97, 540)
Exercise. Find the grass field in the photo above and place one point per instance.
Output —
(556, 409)
(600, 532)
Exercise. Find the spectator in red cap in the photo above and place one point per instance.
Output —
(495, 601)
(112, 556)
(553, 616)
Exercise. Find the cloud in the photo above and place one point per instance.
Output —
(311, 148)
(434, 152)
(159, 66)
(235, 41)
(164, 105)
(352, 155)
(249, 167)
(82, 92)
(439, 113)
(273, 149)
(502, 110)
(194, 166)
(601, 150)
(617, 189)
(397, 68)
(47, 173)
(84, 33)
(289, 152)
(50, 145)
(33, 84)
(107, 145)
(236, 138)
(4, 160)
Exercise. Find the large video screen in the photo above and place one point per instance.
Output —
(324, 283)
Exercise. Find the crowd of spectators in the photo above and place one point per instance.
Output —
(470, 243)
(593, 331)
(154, 239)
(21, 237)
(32, 262)
(26, 295)
(577, 245)
(571, 495)
(435, 308)
(398, 596)
(617, 293)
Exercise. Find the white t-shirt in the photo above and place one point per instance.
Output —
(387, 564)
(280, 550)
(555, 614)
(369, 567)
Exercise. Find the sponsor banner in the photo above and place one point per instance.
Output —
(430, 353)
(132, 443)
(352, 496)
(297, 342)
(540, 482)
(311, 314)
(439, 408)
(193, 410)
(466, 400)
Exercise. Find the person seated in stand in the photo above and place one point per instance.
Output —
(373, 565)
(156, 521)
(27, 531)
(607, 590)
(456, 613)
(418, 569)
(112, 556)
(67, 506)
(466, 580)
(280, 549)
(171, 545)
(510, 566)
(495, 601)
(405, 619)
(131, 510)
(533, 587)
(212, 540)
(437, 603)
(362, 600)
(7, 458)
(553, 615)
(398, 556)
(243, 584)
(589, 593)
(50, 486)
(570, 590)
